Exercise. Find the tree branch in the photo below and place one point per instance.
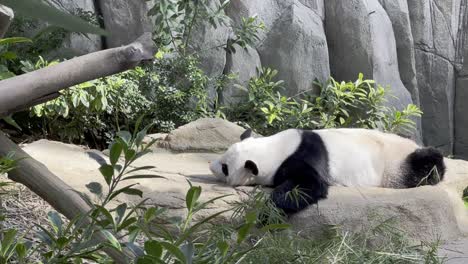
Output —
(52, 189)
(28, 89)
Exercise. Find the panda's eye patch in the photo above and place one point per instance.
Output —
(224, 167)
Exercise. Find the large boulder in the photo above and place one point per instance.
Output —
(296, 46)
(429, 212)
(266, 11)
(435, 26)
(207, 43)
(361, 39)
(205, 134)
(398, 13)
(293, 41)
(124, 20)
(436, 81)
(318, 6)
(244, 64)
(79, 44)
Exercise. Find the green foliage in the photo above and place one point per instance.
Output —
(177, 88)
(6, 55)
(246, 34)
(339, 104)
(41, 10)
(47, 40)
(89, 112)
(382, 243)
(7, 163)
(176, 19)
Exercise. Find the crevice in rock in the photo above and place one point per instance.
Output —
(100, 18)
(433, 52)
(462, 37)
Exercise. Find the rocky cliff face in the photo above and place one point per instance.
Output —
(416, 47)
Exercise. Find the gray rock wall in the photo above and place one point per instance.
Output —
(461, 92)
(417, 47)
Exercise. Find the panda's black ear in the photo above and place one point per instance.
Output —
(250, 165)
(247, 133)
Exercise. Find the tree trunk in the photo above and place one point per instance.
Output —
(52, 189)
(26, 90)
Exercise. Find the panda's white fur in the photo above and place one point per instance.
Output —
(319, 158)
(364, 157)
(267, 152)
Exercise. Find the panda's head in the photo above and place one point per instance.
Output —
(238, 166)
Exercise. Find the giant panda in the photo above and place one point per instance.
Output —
(313, 160)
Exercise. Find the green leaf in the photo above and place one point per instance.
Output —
(127, 223)
(243, 232)
(40, 10)
(175, 251)
(13, 40)
(141, 168)
(9, 120)
(112, 240)
(251, 217)
(94, 188)
(132, 191)
(8, 241)
(125, 136)
(106, 214)
(223, 247)
(192, 197)
(153, 248)
(120, 211)
(127, 190)
(55, 221)
(130, 154)
(9, 55)
(150, 214)
(115, 152)
(107, 171)
(21, 251)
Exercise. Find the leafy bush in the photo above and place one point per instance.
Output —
(339, 104)
(90, 112)
(178, 90)
(46, 39)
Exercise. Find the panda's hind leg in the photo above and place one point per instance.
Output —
(424, 166)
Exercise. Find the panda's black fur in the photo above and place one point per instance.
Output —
(307, 168)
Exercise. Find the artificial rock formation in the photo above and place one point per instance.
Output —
(415, 47)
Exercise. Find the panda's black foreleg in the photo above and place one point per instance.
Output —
(293, 196)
